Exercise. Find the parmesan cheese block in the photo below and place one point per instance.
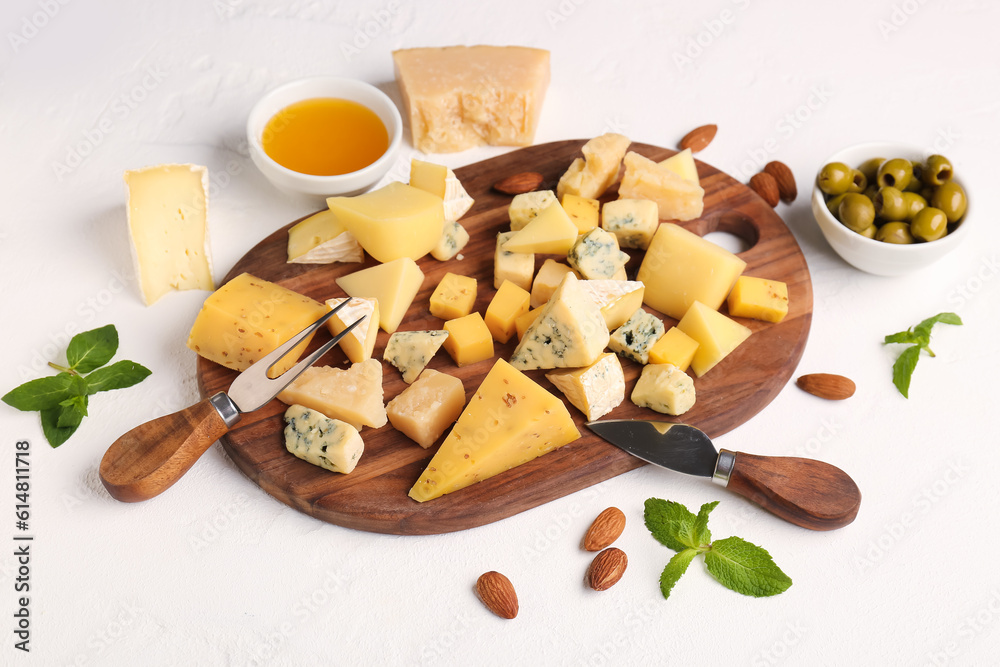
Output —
(594, 173)
(393, 285)
(675, 197)
(595, 390)
(459, 97)
(360, 341)
(716, 334)
(322, 239)
(664, 388)
(517, 267)
(168, 227)
(617, 299)
(353, 395)
(425, 409)
(321, 441)
(411, 351)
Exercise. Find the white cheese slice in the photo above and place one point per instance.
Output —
(324, 442)
(360, 341)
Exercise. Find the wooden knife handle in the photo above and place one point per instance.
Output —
(147, 460)
(806, 492)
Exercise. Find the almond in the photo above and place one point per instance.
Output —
(699, 138)
(607, 527)
(826, 385)
(518, 184)
(497, 593)
(607, 569)
(784, 178)
(765, 185)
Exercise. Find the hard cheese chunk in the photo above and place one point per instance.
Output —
(360, 341)
(595, 255)
(394, 221)
(441, 182)
(509, 303)
(632, 221)
(583, 211)
(676, 198)
(469, 340)
(568, 333)
(683, 165)
(681, 267)
(425, 409)
(717, 336)
(595, 390)
(664, 388)
(517, 267)
(637, 336)
(509, 421)
(324, 442)
(617, 299)
(168, 227)
(459, 97)
(453, 297)
(550, 232)
(594, 173)
(411, 351)
(549, 277)
(454, 237)
(248, 317)
(526, 206)
(353, 395)
(675, 347)
(322, 239)
(393, 285)
(758, 298)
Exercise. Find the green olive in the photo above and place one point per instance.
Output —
(896, 172)
(870, 168)
(856, 212)
(950, 198)
(889, 204)
(937, 171)
(894, 232)
(871, 190)
(870, 232)
(858, 181)
(927, 192)
(833, 203)
(930, 224)
(913, 204)
(834, 178)
(915, 184)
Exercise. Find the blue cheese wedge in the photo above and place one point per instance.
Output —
(411, 351)
(324, 442)
(525, 207)
(632, 221)
(517, 267)
(634, 339)
(595, 390)
(453, 239)
(664, 388)
(596, 255)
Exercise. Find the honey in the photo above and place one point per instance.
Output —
(325, 136)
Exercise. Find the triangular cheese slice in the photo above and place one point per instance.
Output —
(717, 336)
(359, 343)
(595, 390)
(683, 165)
(510, 420)
(411, 351)
(322, 239)
(617, 299)
(394, 285)
(569, 333)
(442, 182)
(551, 232)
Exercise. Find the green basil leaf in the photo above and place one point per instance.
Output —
(902, 370)
(745, 568)
(675, 569)
(41, 394)
(118, 375)
(671, 524)
(92, 349)
(702, 534)
(55, 434)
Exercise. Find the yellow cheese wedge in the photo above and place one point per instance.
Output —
(360, 342)
(675, 348)
(717, 336)
(526, 206)
(248, 317)
(459, 97)
(758, 298)
(425, 409)
(469, 340)
(509, 421)
(168, 227)
(548, 279)
(353, 395)
(680, 268)
(617, 299)
(583, 211)
(594, 173)
(550, 232)
(322, 239)
(683, 165)
(595, 390)
(676, 198)
(395, 221)
(454, 297)
(394, 285)
(509, 303)
(517, 267)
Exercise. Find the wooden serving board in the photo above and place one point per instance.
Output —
(374, 496)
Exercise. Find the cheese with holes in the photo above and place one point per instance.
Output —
(634, 339)
(595, 390)
(583, 211)
(509, 421)
(168, 227)
(596, 256)
(665, 389)
(717, 336)
(459, 97)
(594, 173)
(549, 277)
(425, 409)
(508, 304)
(469, 340)
(676, 198)
(360, 341)
(353, 395)
(453, 297)
(551, 232)
(411, 351)
(454, 237)
(569, 332)
(441, 182)
(395, 221)
(683, 165)
(247, 318)
(758, 298)
(675, 348)
(617, 299)
(322, 239)
(680, 268)
(526, 206)
(321, 441)
(517, 267)
(632, 221)
(393, 285)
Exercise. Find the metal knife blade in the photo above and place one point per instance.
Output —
(679, 447)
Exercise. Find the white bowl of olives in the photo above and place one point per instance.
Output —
(890, 208)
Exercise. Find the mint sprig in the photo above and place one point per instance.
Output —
(734, 562)
(62, 400)
(919, 339)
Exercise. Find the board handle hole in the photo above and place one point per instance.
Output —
(731, 230)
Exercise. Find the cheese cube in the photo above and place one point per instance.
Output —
(595, 255)
(454, 237)
(524, 321)
(717, 336)
(411, 351)
(676, 198)
(683, 165)
(322, 239)
(393, 285)
(632, 221)
(353, 395)
(594, 173)
(517, 267)
(168, 227)
(675, 347)
(469, 340)
(359, 343)
(664, 388)
(324, 442)
(551, 232)
(441, 182)
(761, 299)
(247, 318)
(681, 267)
(548, 279)
(454, 297)
(617, 299)
(634, 339)
(425, 409)
(595, 390)
(526, 206)
(509, 303)
(458, 97)
(394, 221)
(583, 211)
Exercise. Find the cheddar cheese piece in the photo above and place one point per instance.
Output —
(393, 285)
(717, 336)
(453, 297)
(508, 304)
(758, 298)
(469, 340)
(675, 348)
(425, 409)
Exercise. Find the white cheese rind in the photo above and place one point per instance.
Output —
(324, 442)
(341, 248)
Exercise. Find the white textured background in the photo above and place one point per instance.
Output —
(215, 572)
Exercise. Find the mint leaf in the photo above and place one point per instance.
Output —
(671, 524)
(55, 434)
(71, 412)
(902, 369)
(118, 375)
(745, 568)
(41, 394)
(702, 534)
(923, 329)
(902, 337)
(675, 569)
(92, 349)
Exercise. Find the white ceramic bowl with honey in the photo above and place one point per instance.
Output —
(260, 131)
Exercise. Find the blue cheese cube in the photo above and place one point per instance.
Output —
(324, 442)
(411, 351)
(634, 339)
(633, 221)
(453, 239)
(596, 255)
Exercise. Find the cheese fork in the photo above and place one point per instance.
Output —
(147, 460)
